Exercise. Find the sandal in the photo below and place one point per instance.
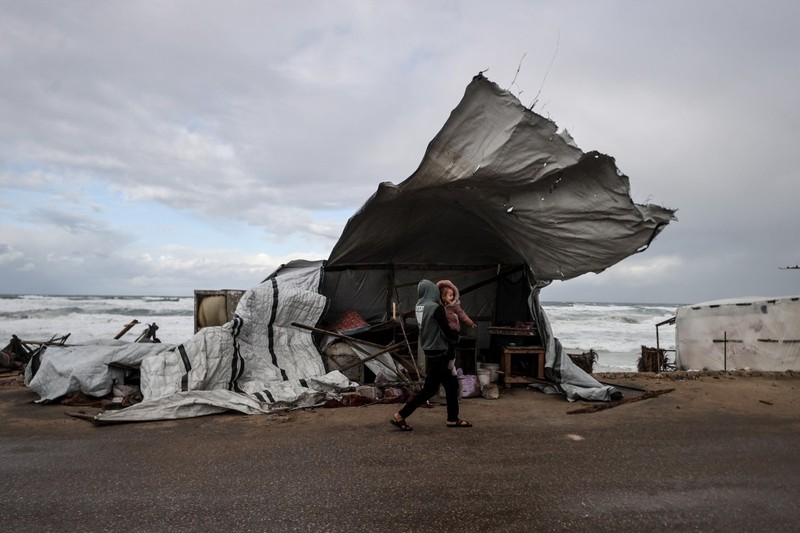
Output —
(459, 424)
(400, 424)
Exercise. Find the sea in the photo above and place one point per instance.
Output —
(616, 331)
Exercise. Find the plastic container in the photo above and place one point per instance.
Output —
(484, 376)
(493, 368)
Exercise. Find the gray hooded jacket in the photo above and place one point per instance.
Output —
(434, 333)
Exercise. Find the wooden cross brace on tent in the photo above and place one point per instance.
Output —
(383, 349)
(373, 356)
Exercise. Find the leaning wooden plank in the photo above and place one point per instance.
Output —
(373, 356)
(127, 328)
(391, 349)
(383, 349)
(337, 335)
(408, 365)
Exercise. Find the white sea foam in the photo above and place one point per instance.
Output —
(615, 331)
(89, 318)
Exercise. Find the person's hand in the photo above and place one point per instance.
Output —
(452, 366)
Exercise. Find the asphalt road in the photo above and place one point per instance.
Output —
(662, 464)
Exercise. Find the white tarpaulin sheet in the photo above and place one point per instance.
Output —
(749, 333)
(84, 367)
(254, 364)
(567, 377)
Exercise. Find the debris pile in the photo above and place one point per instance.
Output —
(585, 361)
(654, 360)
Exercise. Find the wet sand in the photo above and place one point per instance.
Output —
(721, 452)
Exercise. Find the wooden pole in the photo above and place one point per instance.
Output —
(373, 356)
(126, 328)
(337, 335)
(383, 349)
(411, 353)
(396, 370)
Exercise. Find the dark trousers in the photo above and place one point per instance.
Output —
(437, 374)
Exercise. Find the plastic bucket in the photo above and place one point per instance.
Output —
(484, 376)
(492, 368)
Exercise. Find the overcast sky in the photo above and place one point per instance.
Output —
(155, 148)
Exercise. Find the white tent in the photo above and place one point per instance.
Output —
(738, 334)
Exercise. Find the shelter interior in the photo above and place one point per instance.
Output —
(495, 297)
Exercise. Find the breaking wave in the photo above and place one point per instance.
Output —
(617, 331)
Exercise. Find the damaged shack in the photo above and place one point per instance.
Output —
(502, 204)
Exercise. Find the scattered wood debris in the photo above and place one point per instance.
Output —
(609, 405)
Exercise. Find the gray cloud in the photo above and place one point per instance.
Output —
(285, 118)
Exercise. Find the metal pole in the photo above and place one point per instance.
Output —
(658, 346)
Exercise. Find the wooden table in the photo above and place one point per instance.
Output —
(512, 353)
(515, 332)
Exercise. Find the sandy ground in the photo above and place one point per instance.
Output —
(720, 452)
(770, 394)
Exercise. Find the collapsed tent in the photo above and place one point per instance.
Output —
(254, 364)
(738, 334)
(502, 204)
(56, 371)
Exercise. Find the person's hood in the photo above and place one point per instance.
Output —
(428, 293)
(448, 283)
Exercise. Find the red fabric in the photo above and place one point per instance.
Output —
(348, 321)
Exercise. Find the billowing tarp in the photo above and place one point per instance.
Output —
(500, 185)
(739, 334)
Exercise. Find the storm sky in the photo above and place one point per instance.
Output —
(154, 148)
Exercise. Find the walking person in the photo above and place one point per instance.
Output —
(435, 335)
